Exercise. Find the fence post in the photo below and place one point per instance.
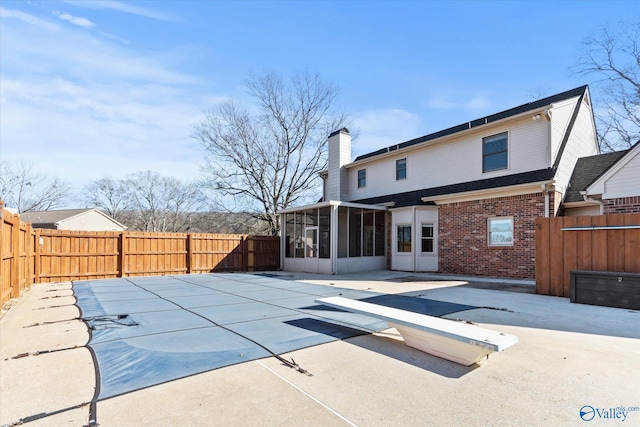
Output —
(36, 259)
(15, 248)
(29, 249)
(250, 253)
(189, 252)
(122, 253)
(2, 237)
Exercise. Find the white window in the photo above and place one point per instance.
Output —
(362, 178)
(427, 239)
(401, 169)
(500, 231)
(495, 152)
(404, 238)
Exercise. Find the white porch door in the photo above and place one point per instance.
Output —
(421, 252)
(426, 234)
(311, 250)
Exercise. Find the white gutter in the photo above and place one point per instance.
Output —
(589, 199)
(333, 203)
(546, 200)
(490, 192)
(414, 241)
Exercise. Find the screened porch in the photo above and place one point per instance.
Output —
(334, 238)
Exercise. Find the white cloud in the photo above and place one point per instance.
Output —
(80, 107)
(442, 103)
(26, 18)
(114, 37)
(81, 132)
(125, 7)
(384, 127)
(75, 20)
(85, 56)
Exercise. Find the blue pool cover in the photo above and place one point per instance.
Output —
(150, 330)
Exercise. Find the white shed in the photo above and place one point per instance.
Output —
(72, 219)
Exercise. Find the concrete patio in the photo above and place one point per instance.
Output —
(569, 358)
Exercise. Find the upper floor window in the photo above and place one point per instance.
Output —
(500, 231)
(362, 178)
(495, 150)
(401, 169)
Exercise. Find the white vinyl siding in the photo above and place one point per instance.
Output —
(560, 116)
(581, 143)
(457, 159)
(89, 221)
(625, 182)
(582, 211)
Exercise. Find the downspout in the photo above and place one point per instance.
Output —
(414, 243)
(547, 115)
(589, 199)
(333, 229)
(282, 241)
(546, 200)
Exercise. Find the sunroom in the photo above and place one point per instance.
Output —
(333, 237)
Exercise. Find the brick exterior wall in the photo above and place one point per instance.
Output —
(463, 245)
(621, 205)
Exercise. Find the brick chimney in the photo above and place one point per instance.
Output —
(339, 155)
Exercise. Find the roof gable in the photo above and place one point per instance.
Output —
(50, 217)
(595, 187)
(530, 106)
(586, 171)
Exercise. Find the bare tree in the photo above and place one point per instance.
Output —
(162, 203)
(113, 197)
(226, 223)
(267, 157)
(26, 190)
(613, 57)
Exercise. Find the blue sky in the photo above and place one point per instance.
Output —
(105, 88)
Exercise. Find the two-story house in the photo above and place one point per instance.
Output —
(462, 200)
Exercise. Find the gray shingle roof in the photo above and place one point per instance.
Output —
(50, 217)
(579, 91)
(587, 170)
(414, 198)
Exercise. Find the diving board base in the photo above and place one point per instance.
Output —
(445, 348)
(455, 341)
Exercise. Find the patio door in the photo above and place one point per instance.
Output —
(311, 242)
(311, 249)
(426, 237)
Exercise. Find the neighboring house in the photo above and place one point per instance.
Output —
(605, 184)
(461, 201)
(72, 219)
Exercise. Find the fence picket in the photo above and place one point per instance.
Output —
(29, 256)
(559, 251)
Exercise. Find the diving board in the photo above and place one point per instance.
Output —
(459, 342)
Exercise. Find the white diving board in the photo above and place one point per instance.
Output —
(459, 342)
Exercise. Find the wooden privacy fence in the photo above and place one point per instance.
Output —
(17, 255)
(37, 256)
(595, 243)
